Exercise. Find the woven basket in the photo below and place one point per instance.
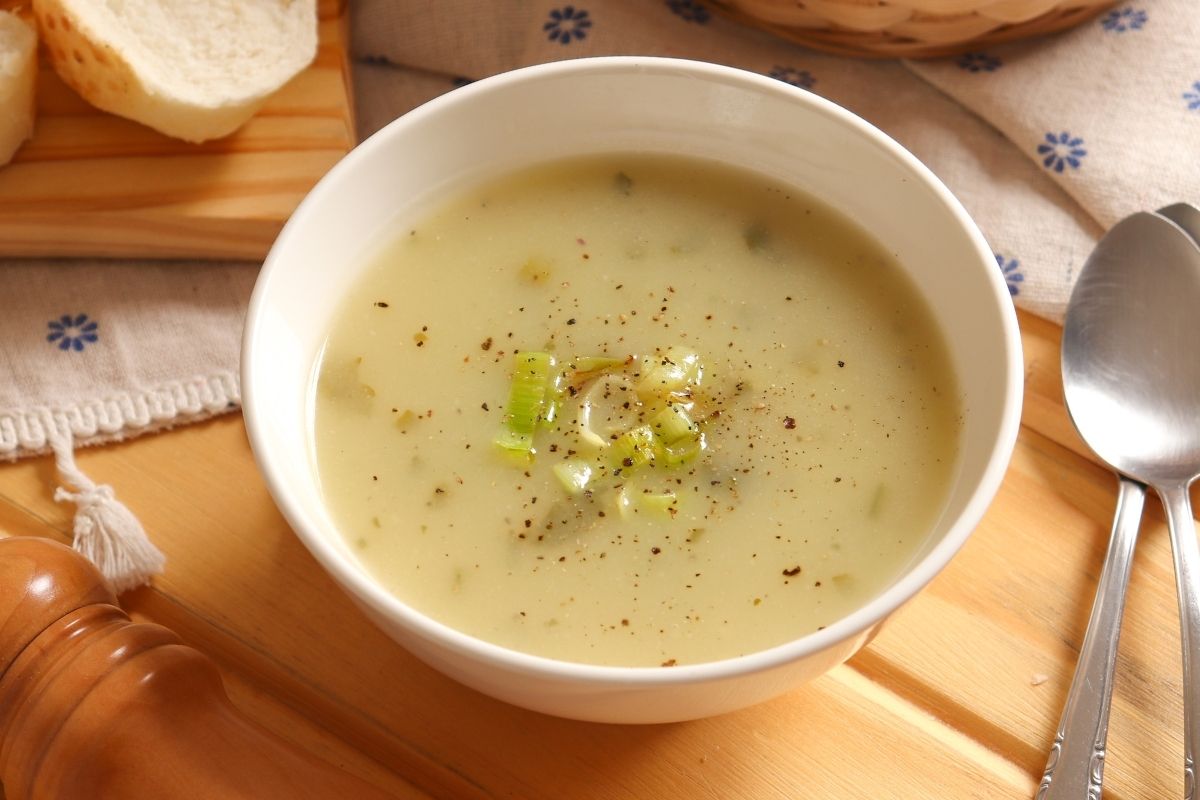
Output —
(909, 28)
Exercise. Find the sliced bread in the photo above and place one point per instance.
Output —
(18, 70)
(193, 70)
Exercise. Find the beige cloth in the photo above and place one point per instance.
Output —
(165, 343)
(97, 351)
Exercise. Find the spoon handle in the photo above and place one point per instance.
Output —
(1187, 582)
(1075, 767)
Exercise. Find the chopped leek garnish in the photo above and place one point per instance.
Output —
(629, 503)
(553, 404)
(529, 396)
(575, 475)
(596, 363)
(673, 424)
(660, 504)
(682, 451)
(608, 408)
(633, 424)
(634, 447)
(625, 504)
(515, 441)
(679, 438)
(673, 372)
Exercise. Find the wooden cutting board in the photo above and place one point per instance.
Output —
(92, 184)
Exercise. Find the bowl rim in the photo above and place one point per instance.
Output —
(357, 582)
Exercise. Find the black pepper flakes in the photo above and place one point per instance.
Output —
(792, 571)
(789, 423)
(841, 363)
(486, 344)
(380, 304)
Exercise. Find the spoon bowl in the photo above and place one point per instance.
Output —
(1132, 380)
(1186, 216)
(1132, 387)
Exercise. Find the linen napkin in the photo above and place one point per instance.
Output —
(1046, 142)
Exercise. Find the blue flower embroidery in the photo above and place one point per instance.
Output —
(689, 10)
(978, 62)
(1124, 19)
(567, 23)
(72, 333)
(1061, 150)
(1012, 273)
(801, 78)
(1193, 97)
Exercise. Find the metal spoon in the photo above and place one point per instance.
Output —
(1132, 387)
(1186, 216)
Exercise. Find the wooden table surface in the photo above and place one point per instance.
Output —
(958, 697)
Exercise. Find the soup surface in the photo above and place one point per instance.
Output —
(752, 416)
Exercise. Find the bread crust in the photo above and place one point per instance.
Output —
(105, 78)
(17, 92)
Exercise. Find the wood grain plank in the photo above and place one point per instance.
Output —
(1010, 615)
(957, 697)
(245, 688)
(90, 183)
(1013, 607)
(265, 706)
(239, 583)
(195, 178)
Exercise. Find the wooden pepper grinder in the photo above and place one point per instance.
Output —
(95, 707)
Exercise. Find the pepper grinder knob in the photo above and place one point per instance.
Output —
(93, 705)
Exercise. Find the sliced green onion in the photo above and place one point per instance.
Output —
(634, 447)
(529, 395)
(673, 424)
(574, 475)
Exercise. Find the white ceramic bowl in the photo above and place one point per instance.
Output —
(625, 104)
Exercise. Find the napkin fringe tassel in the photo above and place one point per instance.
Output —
(106, 531)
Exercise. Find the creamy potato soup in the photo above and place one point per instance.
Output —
(634, 411)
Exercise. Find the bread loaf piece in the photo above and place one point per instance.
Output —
(193, 70)
(18, 70)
